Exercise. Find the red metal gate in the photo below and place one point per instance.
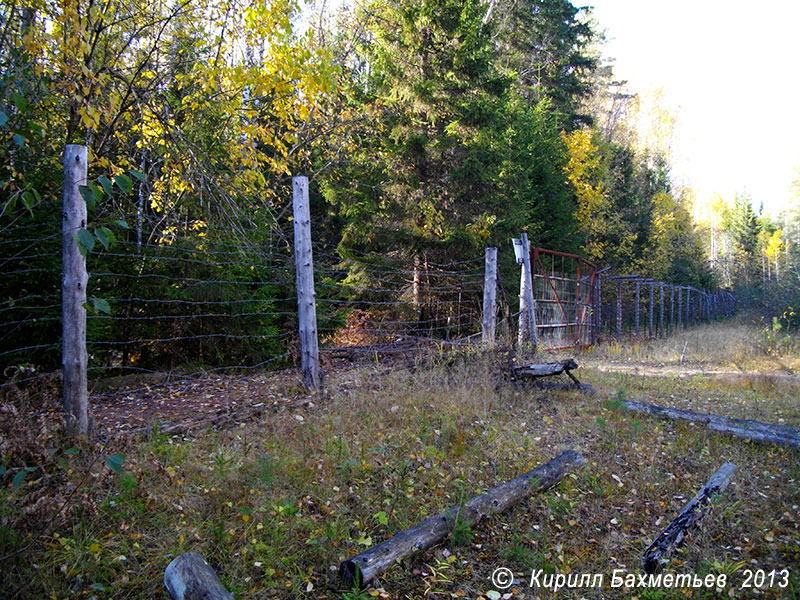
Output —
(564, 287)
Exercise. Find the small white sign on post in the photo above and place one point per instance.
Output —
(518, 250)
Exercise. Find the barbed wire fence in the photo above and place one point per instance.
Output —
(190, 303)
(630, 305)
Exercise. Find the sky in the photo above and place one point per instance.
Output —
(730, 72)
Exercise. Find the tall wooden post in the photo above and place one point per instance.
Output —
(650, 313)
(415, 291)
(636, 311)
(523, 330)
(680, 307)
(306, 297)
(661, 328)
(619, 308)
(489, 297)
(688, 306)
(599, 309)
(73, 292)
(672, 308)
(527, 315)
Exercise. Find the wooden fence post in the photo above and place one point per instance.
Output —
(522, 330)
(599, 309)
(636, 311)
(672, 308)
(619, 309)
(526, 303)
(650, 313)
(306, 297)
(661, 328)
(489, 297)
(688, 306)
(73, 292)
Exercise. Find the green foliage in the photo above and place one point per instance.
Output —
(433, 129)
(115, 462)
(546, 43)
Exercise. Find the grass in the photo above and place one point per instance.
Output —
(277, 503)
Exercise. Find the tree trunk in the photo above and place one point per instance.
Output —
(360, 569)
(657, 554)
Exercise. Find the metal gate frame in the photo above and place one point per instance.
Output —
(564, 299)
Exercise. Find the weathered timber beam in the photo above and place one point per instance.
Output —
(188, 577)
(657, 554)
(755, 431)
(545, 369)
(362, 568)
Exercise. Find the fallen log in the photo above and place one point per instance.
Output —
(362, 568)
(657, 554)
(188, 577)
(756, 431)
(545, 369)
(536, 371)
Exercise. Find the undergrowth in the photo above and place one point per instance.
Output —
(277, 503)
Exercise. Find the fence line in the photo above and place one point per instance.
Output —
(625, 310)
(200, 304)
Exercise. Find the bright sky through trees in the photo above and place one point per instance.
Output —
(729, 70)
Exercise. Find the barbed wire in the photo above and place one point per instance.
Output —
(346, 281)
(185, 279)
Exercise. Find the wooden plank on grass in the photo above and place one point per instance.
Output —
(546, 369)
(657, 554)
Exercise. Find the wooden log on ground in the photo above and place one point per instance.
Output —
(547, 369)
(188, 577)
(755, 431)
(657, 554)
(362, 568)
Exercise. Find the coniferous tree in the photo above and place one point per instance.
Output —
(547, 44)
(432, 72)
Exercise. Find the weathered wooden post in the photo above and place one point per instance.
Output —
(306, 297)
(688, 306)
(527, 307)
(706, 305)
(599, 309)
(74, 280)
(680, 306)
(636, 311)
(661, 328)
(489, 297)
(619, 309)
(650, 313)
(672, 308)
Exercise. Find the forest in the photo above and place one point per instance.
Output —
(429, 132)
